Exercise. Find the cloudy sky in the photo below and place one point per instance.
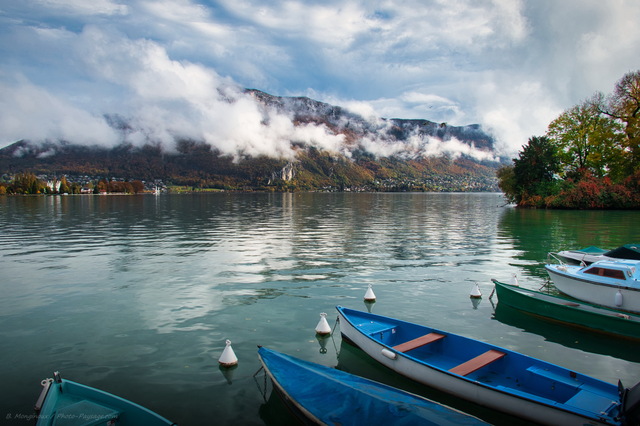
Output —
(170, 66)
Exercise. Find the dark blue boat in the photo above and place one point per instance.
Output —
(325, 395)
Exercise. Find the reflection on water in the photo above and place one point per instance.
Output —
(534, 233)
(137, 294)
(570, 336)
(274, 411)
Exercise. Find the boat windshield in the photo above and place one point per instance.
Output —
(606, 272)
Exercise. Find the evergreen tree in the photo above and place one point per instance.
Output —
(535, 168)
(507, 183)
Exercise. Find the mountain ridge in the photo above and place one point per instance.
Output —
(403, 127)
(401, 164)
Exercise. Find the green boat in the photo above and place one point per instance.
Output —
(569, 311)
(66, 403)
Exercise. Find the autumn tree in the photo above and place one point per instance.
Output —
(137, 186)
(594, 146)
(587, 141)
(27, 183)
(624, 105)
(100, 187)
(64, 186)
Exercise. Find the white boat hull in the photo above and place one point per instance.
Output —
(597, 293)
(461, 386)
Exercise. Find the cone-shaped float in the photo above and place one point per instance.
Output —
(475, 292)
(369, 296)
(323, 328)
(228, 357)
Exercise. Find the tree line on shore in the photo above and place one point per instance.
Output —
(29, 183)
(589, 157)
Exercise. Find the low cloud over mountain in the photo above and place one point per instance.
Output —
(258, 139)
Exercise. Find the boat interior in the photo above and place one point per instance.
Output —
(495, 367)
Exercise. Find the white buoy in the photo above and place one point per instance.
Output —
(618, 298)
(475, 292)
(514, 280)
(369, 295)
(323, 326)
(228, 357)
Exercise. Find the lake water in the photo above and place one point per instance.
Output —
(136, 295)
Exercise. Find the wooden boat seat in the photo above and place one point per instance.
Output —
(420, 341)
(477, 363)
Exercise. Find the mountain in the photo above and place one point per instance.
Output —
(375, 155)
(307, 110)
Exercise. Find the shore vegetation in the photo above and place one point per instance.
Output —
(589, 157)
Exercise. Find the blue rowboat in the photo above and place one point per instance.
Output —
(325, 395)
(489, 375)
(65, 403)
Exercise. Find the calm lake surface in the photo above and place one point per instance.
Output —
(136, 295)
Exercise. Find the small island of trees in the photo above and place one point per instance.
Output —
(588, 159)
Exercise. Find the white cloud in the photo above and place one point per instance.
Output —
(82, 7)
(602, 52)
(424, 146)
(169, 98)
(453, 148)
(31, 112)
(510, 65)
(516, 114)
(510, 16)
(412, 105)
(328, 23)
(179, 11)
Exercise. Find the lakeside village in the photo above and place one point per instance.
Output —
(29, 183)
